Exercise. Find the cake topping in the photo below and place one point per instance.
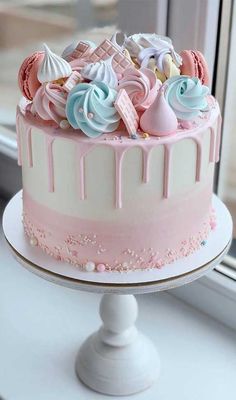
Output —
(159, 119)
(27, 76)
(74, 51)
(101, 71)
(50, 102)
(90, 107)
(194, 64)
(136, 43)
(118, 79)
(53, 67)
(186, 96)
(141, 86)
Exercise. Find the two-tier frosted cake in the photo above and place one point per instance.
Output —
(117, 144)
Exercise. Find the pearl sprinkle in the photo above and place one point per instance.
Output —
(33, 241)
(89, 266)
(100, 267)
(64, 124)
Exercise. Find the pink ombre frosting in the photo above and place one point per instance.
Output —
(79, 63)
(123, 246)
(50, 102)
(141, 86)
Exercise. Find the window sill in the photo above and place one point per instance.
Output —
(214, 294)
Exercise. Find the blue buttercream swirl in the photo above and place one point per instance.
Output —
(186, 96)
(90, 107)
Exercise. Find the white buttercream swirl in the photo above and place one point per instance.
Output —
(53, 67)
(136, 43)
(101, 71)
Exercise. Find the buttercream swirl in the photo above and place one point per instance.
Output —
(90, 107)
(141, 86)
(50, 102)
(101, 71)
(163, 61)
(186, 96)
(136, 43)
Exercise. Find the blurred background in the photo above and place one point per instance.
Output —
(208, 25)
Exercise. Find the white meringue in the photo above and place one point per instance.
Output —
(53, 67)
(101, 71)
(135, 43)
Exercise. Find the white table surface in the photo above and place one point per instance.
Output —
(42, 326)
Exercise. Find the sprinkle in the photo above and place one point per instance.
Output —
(33, 241)
(145, 135)
(203, 243)
(134, 136)
(64, 124)
(89, 266)
(90, 115)
(100, 268)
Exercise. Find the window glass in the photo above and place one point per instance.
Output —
(25, 24)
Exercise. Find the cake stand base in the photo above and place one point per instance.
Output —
(118, 360)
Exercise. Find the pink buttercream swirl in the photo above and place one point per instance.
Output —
(141, 86)
(50, 102)
(79, 63)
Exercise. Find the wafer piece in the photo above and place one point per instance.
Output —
(81, 50)
(107, 49)
(73, 79)
(125, 108)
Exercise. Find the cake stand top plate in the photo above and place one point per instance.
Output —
(176, 274)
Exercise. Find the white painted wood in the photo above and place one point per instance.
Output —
(117, 359)
(193, 24)
(142, 16)
(181, 272)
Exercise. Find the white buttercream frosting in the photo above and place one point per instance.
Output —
(53, 67)
(101, 71)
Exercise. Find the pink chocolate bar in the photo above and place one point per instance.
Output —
(73, 79)
(82, 49)
(125, 108)
(107, 49)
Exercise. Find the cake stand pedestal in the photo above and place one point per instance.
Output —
(118, 359)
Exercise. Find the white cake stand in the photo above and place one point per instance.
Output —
(118, 359)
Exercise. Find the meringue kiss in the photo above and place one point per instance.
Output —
(159, 119)
(53, 67)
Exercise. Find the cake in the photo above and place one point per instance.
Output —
(117, 149)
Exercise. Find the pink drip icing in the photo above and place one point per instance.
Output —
(49, 143)
(82, 150)
(119, 153)
(166, 177)
(18, 139)
(212, 145)
(199, 158)
(218, 138)
(146, 157)
(29, 146)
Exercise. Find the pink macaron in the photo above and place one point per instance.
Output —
(195, 65)
(27, 76)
